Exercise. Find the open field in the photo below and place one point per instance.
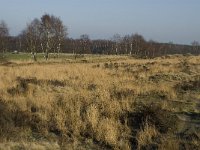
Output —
(100, 102)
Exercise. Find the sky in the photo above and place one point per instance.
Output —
(174, 21)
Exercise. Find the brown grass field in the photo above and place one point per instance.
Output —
(105, 102)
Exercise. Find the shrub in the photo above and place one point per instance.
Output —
(163, 120)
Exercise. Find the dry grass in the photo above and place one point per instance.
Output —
(83, 105)
(29, 146)
(147, 136)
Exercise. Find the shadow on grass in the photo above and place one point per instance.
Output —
(164, 121)
(11, 120)
(22, 85)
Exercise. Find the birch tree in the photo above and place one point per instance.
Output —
(4, 33)
(60, 33)
(32, 34)
(53, 34)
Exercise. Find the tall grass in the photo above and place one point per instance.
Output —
(93, 105)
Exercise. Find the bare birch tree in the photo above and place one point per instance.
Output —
(32, 35)
(4, 33)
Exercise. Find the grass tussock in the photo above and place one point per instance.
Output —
(110, 102)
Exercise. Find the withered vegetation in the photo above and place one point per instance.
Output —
(107, 103)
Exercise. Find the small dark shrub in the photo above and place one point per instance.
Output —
(109, 65)
(189, 86)
(21, 88)
(123, 93)
(5, 115)
(96, 66)
(116, 65)
(163, 120)
(56, 83)
(106, 65)
(84, 61)
(92, 87)
(34, 109)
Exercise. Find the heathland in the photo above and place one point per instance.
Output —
(100, 102)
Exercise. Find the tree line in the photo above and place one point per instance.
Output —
(48, 34)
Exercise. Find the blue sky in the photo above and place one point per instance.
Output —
(160, 20)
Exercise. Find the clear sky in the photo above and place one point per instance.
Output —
(160, 20)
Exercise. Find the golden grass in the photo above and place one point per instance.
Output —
(78, 101)
(147, 135)
(30, 146)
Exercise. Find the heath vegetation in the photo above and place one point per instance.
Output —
(101, 102)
